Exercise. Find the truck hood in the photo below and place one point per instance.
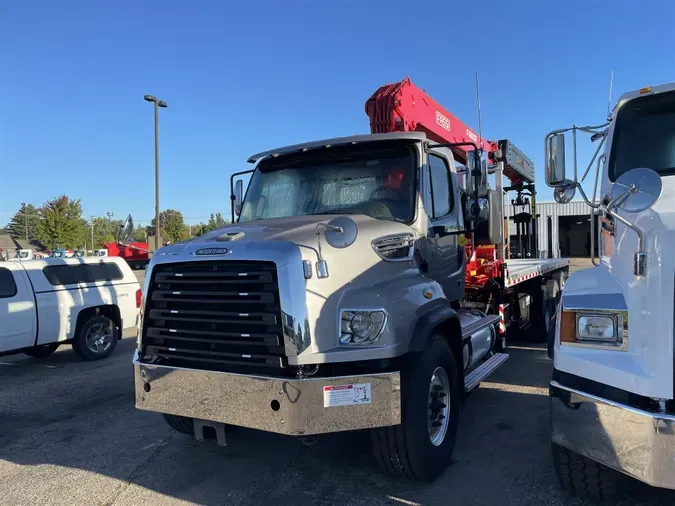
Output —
(300, 230)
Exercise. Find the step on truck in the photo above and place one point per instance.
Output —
(612, 408)
(359, 288)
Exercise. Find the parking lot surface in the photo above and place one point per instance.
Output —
(70, 435)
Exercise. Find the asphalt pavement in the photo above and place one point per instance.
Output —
(70, 435)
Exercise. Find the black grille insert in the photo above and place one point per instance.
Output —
(221, 315)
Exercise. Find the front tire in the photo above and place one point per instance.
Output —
(96, 339)
(582, 477)
(41, 351)
(181, 424)
(420, 448)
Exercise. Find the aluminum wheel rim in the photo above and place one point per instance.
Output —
(438, 409)
(99, 338)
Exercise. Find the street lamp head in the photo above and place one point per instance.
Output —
(161, 103)
(150, 98)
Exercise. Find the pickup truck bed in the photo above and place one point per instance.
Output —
(519, 270)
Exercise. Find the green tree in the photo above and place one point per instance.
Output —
(62, 225)
(25, 222)
(172, 226)
(139, 234)
(216, 220)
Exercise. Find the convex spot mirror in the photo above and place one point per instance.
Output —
(555, 160)
(636, 190)
(564, 193)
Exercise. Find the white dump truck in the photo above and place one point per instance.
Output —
(612, 408)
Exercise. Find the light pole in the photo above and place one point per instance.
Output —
(25, 217)
(109, 215)
(157, 104)
(92, 233)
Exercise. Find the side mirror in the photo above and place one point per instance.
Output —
(564, 193)
(636, 190)
(238, 196)
(555, 160)
(125, 229)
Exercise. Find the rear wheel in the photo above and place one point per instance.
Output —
(420, 448)
(584, 478)
(41, 351)
(540, 316)
(96, 339)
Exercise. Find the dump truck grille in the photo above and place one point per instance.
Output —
(221, 316)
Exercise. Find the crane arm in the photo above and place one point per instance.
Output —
(403, 107)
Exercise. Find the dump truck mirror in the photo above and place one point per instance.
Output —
(555, 160)
(636, 190)
(564, 193)
(238, 196)
(125, 229)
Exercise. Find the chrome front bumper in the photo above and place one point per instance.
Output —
(638, 443)
(281, 405)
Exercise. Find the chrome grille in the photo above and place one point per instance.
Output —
(219, 315)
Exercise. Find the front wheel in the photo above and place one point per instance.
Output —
(582, 477)
(420, 448)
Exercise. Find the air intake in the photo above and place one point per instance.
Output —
(395, 247)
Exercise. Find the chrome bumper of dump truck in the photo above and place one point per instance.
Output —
(281, 405)
(638, 443)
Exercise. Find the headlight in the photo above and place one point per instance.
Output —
(601, 328)
(594, 329)
(361, 326)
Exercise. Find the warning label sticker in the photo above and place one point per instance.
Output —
(346, 395)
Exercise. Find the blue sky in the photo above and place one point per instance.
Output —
(242, 77)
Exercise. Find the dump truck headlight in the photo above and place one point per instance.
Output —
(593, 329)
(361, 326)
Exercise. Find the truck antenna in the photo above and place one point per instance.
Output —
(480, 125)
(609, 100)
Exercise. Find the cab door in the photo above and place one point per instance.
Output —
(445, 224)
(17, 308)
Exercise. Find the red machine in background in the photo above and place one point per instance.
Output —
(136, 254)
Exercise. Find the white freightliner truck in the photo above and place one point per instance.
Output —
(612, 407)
(339, 300)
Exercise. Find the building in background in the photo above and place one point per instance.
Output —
(563, 230)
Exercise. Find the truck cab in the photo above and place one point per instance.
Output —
(612, 404)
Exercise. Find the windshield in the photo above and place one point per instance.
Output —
(644, 136)
(377, 182)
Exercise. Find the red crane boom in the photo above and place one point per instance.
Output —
(403, 107)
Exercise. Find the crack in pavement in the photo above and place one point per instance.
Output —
(110, 500)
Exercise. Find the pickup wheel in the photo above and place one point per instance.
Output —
(420, 448)
(96, 339)
(582, 477)
(43, 350)
(181, 424)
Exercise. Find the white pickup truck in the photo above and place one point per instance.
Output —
(85, 302)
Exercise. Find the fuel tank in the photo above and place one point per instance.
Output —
(481, 342)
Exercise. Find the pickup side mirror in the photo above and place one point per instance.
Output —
(555, 160)
(238, 196)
